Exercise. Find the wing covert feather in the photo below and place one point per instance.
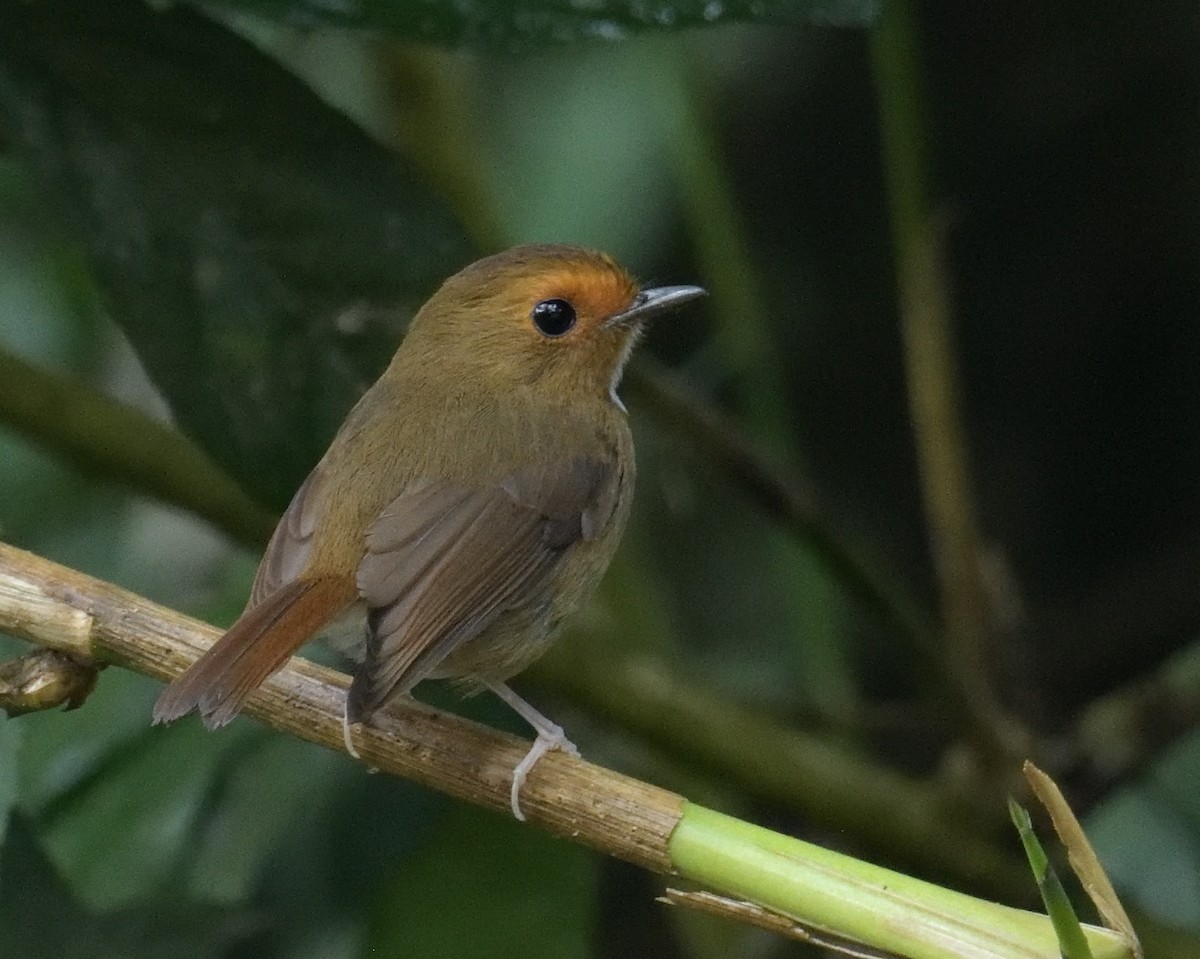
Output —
(291, 543)
(444, 561)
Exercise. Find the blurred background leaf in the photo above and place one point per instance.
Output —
(269, 228)
(42, 919)
(523, 24)
(547, 909)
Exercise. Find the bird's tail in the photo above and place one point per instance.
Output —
(217, 684)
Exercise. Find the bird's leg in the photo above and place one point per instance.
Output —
(549, 736)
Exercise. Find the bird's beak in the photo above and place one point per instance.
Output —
(650, 303)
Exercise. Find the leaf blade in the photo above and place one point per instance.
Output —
(259, 249)
(522, 24)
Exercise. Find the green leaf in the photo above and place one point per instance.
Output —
(512, 891)
(127, 810)
(515, 24)
(1071, 942)
(42, 919)
(260, 250)
(279, 790)
(1151, 851)
(63, 751)
(123, 833)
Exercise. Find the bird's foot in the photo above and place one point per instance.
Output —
(550, 737)
(347, 735)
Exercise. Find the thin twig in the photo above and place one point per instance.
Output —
(755, 915)
(1122, 731)
(781, 494)
(107, 439)
(934, 394)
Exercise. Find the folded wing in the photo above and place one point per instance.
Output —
(444, 561)
(291, 543)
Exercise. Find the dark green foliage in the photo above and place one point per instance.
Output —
(42, 919)
(246, 236)
(187, 172)
(526, 24)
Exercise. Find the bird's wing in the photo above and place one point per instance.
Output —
(290, 544)
(444, 560)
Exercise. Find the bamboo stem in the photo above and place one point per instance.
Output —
(62, 609)
(830, 785)
(94, 621)
(867, 904)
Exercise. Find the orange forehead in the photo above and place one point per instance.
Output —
(507, 286)
(597, 291)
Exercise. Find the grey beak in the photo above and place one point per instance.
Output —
(650, 303)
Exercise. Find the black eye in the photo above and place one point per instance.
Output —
(554, 317)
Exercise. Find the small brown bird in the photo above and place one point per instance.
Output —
(471, 500)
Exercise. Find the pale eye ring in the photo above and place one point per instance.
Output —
(553, 318)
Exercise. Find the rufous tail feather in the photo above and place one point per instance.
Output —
(262, 639)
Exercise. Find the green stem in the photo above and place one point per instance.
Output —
(858, 901)
(781, 494)
(101, 437)
(433, 120)
(828, 784)
(1072, 943)
(934, 393)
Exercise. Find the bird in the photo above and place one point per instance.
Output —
(471, 500)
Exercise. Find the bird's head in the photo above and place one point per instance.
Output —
(554, 318)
